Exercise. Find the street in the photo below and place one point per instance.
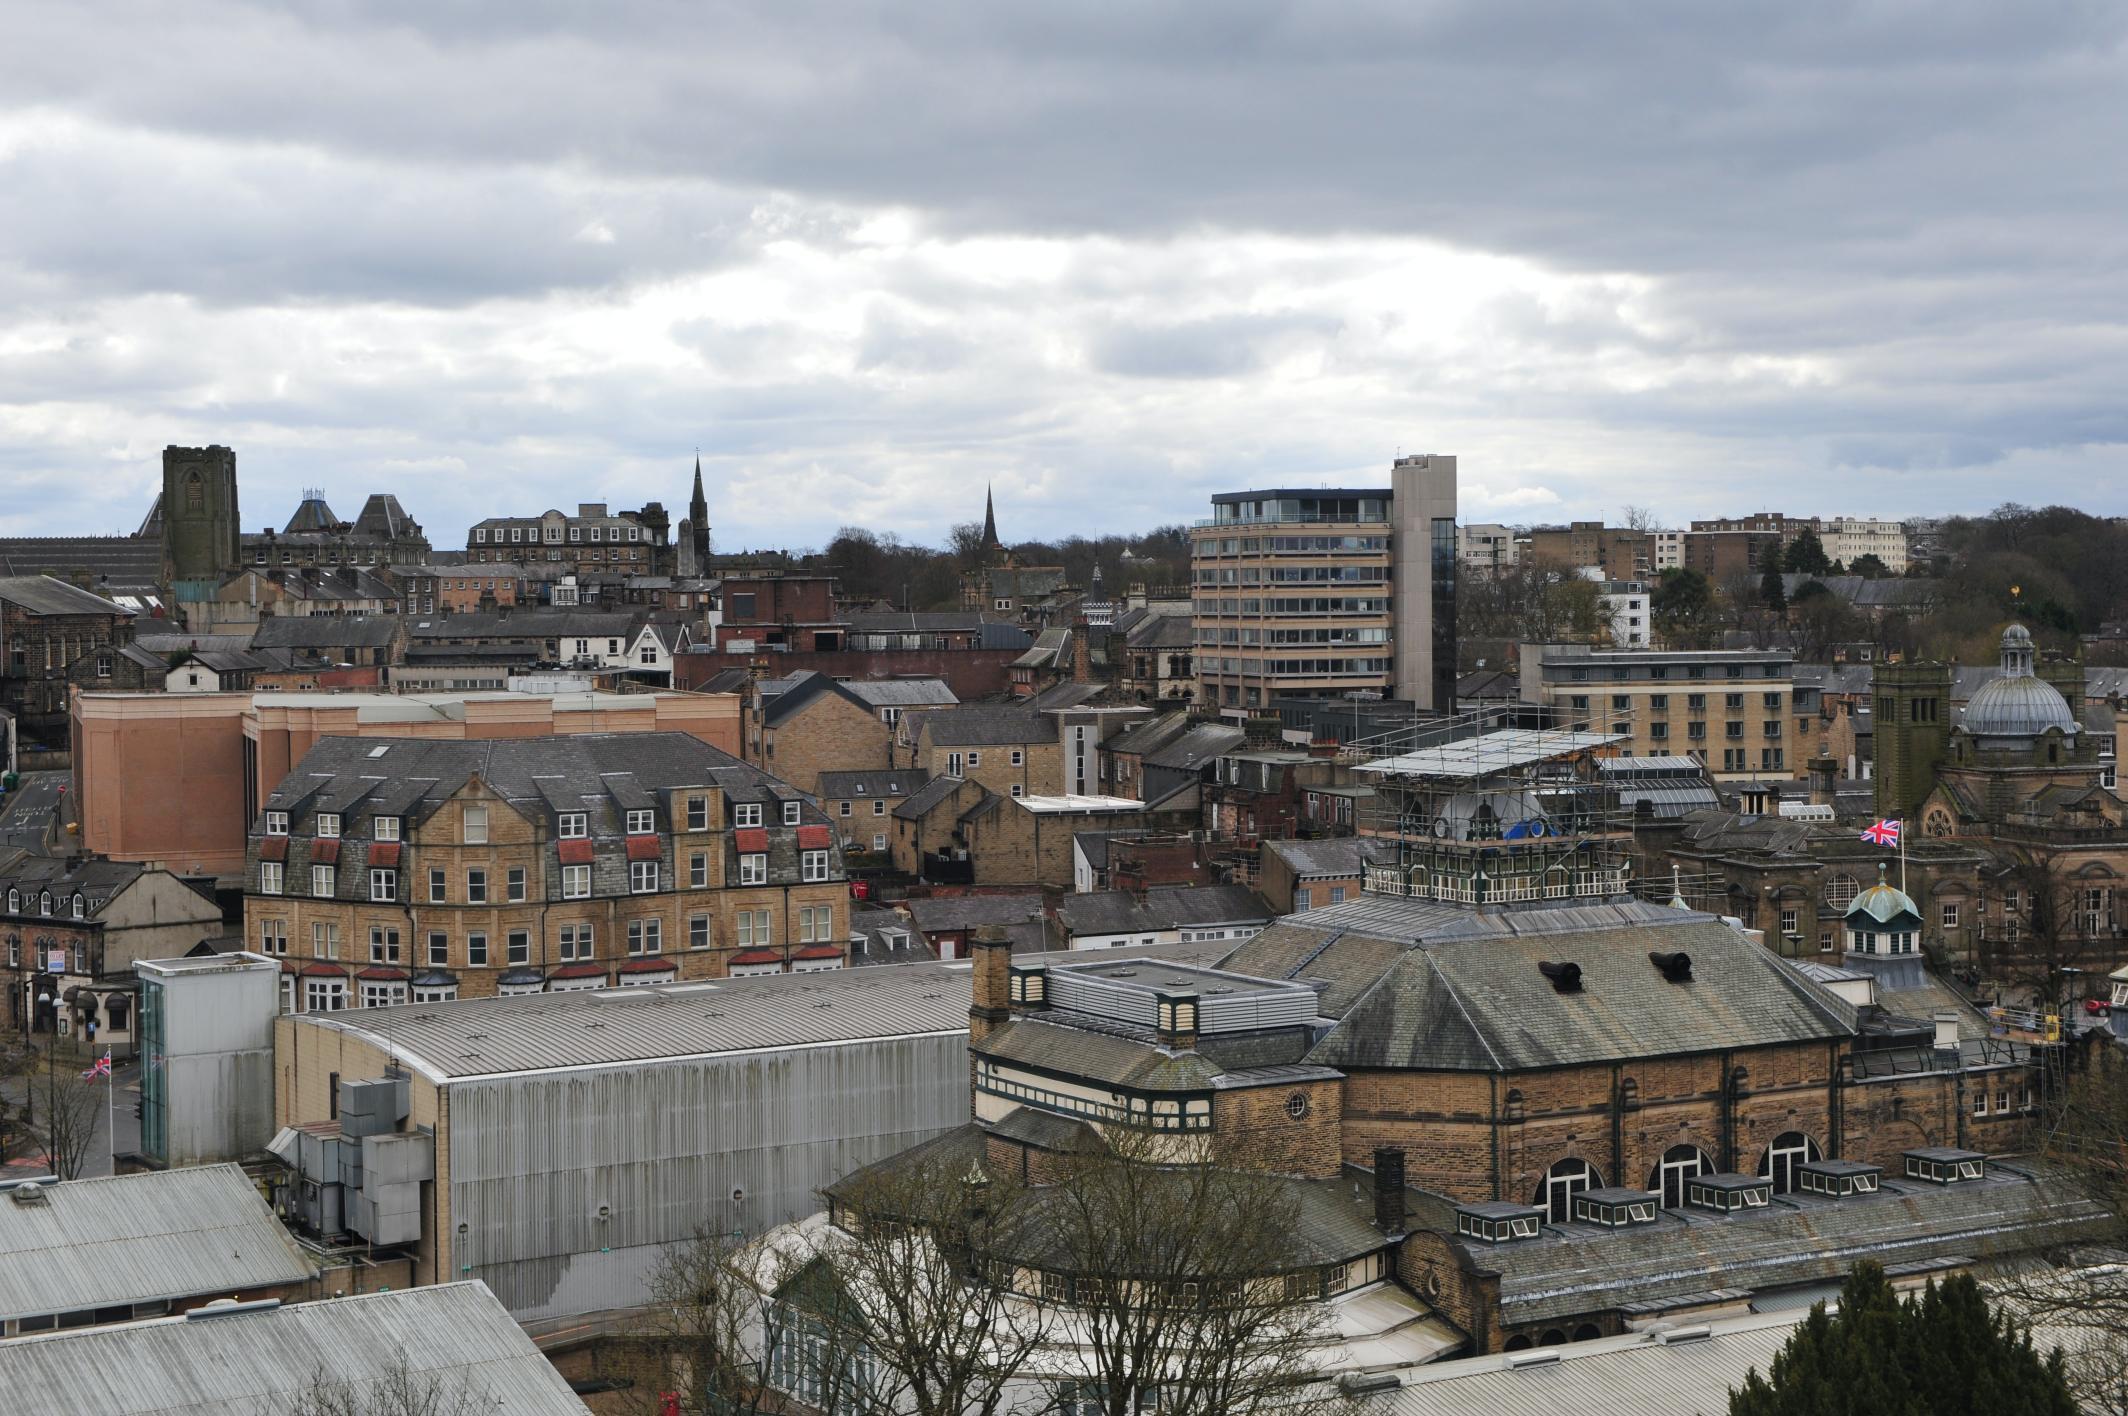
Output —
(32, 816)
(25, 1154)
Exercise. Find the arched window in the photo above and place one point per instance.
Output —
(1789, 1150)
(195, 493)
(1587, 1332)
(1679, 1164)
(1553, 1337)
(1520, 1342)
(1555, 1193)
(44, 902)
(14, 899)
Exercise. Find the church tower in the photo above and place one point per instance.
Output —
(202, 533)
(698, 521)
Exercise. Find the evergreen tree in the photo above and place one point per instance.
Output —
(1806, 554)
(1942, 1353)
(1770, 579)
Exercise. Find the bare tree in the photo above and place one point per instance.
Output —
(68, 1108)
(1181, 1293)
(713, 1317)
(401, 1391)
(2051, 934)
(1637, 518)
(912, 1269)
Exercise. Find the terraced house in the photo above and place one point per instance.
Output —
(383, 870)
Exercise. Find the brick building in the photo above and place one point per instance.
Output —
(861, 805)
(806, 725)
(382, 869)
(1730, 709)
(780, 613)
(45, 626)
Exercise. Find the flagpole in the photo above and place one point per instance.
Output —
(1902, 858)
(110, 1112)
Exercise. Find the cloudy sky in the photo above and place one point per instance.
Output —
(1834, 258)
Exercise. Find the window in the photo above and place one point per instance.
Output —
(698, 813)
(437, 889)
(575, 825)
(1019, 758)
(843, 808)
(1018, 790)
(956, 764)
(1950, 916)
(1790, 921)
(574, 943)
(879, 842)
(816, 923)
(514, 884)
(746, 813)
(1789, 1150)
(642, 877)
(754, 929)
(383, 886)
(328, 825)
(385, 828)
(439, 949)
(642, 823)
(812, 865)
(383, 944)
(321, 881)
(324, 940)
(698, 931)
(879, 808)
(269, 879)
(476, 949)
(324, 995)
(646, 936)
(1555, 1193)
(576, 882)
(476, 825)
(1679, 1164)
(1733, 730)
(698, 871)
(517, 947)
(476, 887)
(791, 812)
(753, 870)
(273, 936)
(276, 823)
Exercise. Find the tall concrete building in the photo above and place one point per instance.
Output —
(1327, 591)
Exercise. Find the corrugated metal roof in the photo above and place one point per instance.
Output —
(140, 1239)
(454, 1336)
(1494, 752)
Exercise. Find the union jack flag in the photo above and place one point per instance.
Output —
(102, 1067)
(1882, 833)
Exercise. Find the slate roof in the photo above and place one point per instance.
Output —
(42, 595)
(130, 562)
(1143, 735)
(145, 1238)
(1166, 908)
(902, 693)
(927, 798)
(1329, 856)
(954, 912)
(1051, 649)
(1480, 1004)
(1578, 1268)
(984, 725)
(800, 690)
(1107, 1057)
(325, 632)
(527, 624)
(1156, 631)
(879, 782)
(99, 880)
(919, 622)
(451, 1338)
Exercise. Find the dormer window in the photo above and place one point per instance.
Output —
(386, 828)
(642, 823)
(574, 825)
(44, 903)
(328, 825)
(14, 901)
(746, 813)
(1615, 1208)
(791, 810)
(276, 823)
(1498, 1224)
(1943, 1165)
(80, 906)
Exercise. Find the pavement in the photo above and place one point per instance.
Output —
(26, 1153)
(33, 814)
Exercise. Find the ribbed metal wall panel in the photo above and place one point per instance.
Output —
(663, 1147)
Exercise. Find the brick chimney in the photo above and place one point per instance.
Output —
(1824, 780)
(1389, 1189)
(1082, 653)
(992, 1003)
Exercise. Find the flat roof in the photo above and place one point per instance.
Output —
(1316, 492)
(548, 1032)
(1493, 752)
(1073, 802)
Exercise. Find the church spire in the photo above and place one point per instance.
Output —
(698, 520)
(990, 535)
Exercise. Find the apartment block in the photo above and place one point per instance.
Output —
(1849, 538)
(1486, 546)
(1325, 591)
(1729, 709)
(1621, 553)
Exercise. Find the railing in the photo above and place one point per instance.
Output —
(1489, 890)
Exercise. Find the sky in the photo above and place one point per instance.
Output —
(1111, 258)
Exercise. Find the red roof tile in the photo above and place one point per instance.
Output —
(751, 841)
(322, 969)
(819, 951)
(579, 971)
(758, 956)
(384, 853)
(575, 852)
(383, 974)
(274, 848)
(326, 851)
(644, 848)
(649, 966)
(813, 838)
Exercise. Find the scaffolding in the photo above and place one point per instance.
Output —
(1486, 809)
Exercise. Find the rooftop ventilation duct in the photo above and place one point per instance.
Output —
(1566, 978)
(1675, 967)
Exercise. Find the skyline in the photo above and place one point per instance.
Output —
(1827, 259)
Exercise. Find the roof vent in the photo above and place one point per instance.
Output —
(1675, 967)
(229, 1308)
(1516, 1361)
(1698, 1332)
(29, 1195)
(1566, 978)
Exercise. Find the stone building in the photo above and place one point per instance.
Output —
(45, 626)
(594, 537)
(812, 725)
(382, 535)
(383, 869)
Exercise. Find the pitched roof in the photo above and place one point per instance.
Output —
(952, 912)
(455, 1336)
(130, 562)
(1479, 1003)
(42, 595)
(1196, 747)
(902, 693)
(984, 725)
(799, 692)
(1335, 856)
(145, 1238)
(325, 632)
(929, 797)
(879, 782)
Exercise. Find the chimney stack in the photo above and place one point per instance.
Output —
(1389, 1189)
(1824, 779)
(992, 1003)
(1946, 1030)
(1082, 653)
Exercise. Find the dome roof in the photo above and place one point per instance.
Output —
(1882, 903)
(2018, 705)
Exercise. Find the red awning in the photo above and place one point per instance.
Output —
(579, 971)
(575, 852)
(384, 853)
(380, 973)
(819, 951)
(751, 841)
(813, 838)
(323, 970)
(644, 848)
(274, 848)
(642, 966)
(326, 851)
(758, 956)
